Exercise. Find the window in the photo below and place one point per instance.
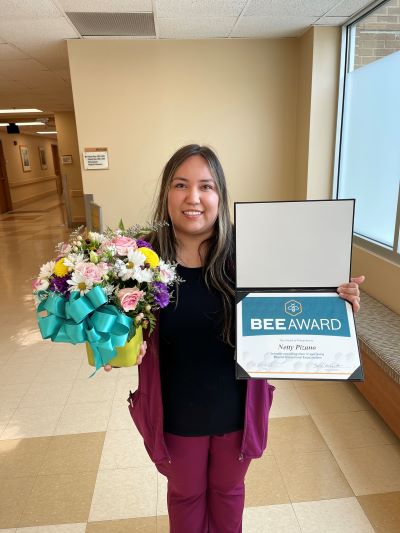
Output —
(368, 148)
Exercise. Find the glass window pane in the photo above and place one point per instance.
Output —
(370, 154)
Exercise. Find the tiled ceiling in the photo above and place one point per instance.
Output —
(34, 68)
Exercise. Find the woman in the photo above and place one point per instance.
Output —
(200, 425)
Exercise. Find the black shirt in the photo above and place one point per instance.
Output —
(201, 395)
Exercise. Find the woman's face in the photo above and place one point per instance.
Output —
(193, 198)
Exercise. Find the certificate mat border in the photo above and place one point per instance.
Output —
(241, 373)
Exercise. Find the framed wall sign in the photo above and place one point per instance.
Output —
(66, 159)
(26, 164)
(95, 159)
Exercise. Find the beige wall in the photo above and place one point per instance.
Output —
(319, 54)
(305, 44)
(382, 277)
(267, 106)
(26, 186)
(323, 112)
(68, 145)
(144, 99)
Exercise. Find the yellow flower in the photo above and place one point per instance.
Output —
(151, 257)
(60, 270)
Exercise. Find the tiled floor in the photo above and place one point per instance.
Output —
(71, 460)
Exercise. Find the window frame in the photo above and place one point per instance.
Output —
(346, 65)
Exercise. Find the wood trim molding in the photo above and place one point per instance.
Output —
(33, 181)
(76, 193)
(382, 392)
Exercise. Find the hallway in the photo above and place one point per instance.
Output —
(71, 460)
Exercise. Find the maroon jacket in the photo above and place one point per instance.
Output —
(146, 409)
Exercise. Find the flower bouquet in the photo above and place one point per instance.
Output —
(103, 290)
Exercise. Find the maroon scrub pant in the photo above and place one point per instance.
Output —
(205, 483)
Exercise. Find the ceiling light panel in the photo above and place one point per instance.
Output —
(99, 24)
(105, 6)
(25, 110)
(200, 28)
(203, 8)
(280, 8)
(30, 123)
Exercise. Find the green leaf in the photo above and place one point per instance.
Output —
(121, 225)
(132, 332)
(152, 321)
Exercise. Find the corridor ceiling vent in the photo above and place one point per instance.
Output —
(113, 24)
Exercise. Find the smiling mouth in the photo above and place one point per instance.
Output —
(192, 213)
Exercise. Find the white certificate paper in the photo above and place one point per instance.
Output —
(295, 335)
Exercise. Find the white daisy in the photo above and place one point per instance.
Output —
(134, 261)
(47, 270)
(79, 282)
(97, 237)
(72, 259)
(144, 275)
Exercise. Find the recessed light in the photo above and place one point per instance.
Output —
(46, 132)
(37, 123)
(12, 111)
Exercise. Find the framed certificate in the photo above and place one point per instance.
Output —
(290, 322)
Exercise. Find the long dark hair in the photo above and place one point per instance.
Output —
(218, 261)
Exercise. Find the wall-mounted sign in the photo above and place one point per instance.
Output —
(66, 159)
(95, 158)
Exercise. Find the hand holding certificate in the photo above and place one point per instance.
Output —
(287, 326)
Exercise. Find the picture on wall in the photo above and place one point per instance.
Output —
(42, 158)
(26, 164)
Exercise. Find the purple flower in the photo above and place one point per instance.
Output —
(143, 244)
(60, 285)
(161, 294)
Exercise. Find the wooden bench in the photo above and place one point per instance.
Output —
(378, 330)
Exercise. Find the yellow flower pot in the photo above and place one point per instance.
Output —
(126, 355)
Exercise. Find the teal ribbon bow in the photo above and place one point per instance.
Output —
(86, 318)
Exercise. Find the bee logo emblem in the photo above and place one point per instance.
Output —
(293, 308)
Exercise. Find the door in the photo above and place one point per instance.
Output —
(5, 198)
(56, 161)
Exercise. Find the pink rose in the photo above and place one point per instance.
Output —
(90, 271)
(129, 298)
(123, 244)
